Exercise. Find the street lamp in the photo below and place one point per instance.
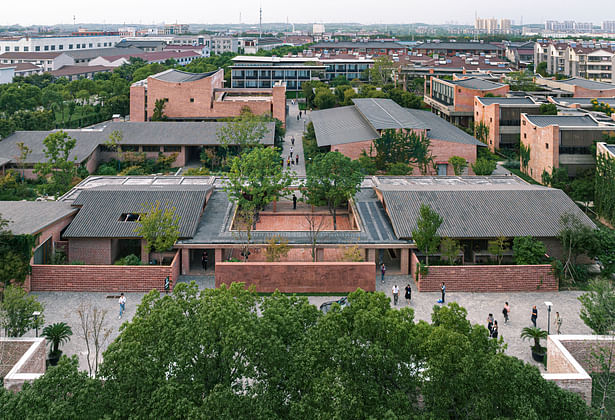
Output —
(549, 304)
(36, 314)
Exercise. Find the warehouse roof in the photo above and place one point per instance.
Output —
(507, 101)
(476, 83)
(587, 84)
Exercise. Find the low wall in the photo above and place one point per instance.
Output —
(299, 277)
(487, 278)
(30, 365)
(103, 278)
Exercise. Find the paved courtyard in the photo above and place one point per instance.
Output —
(62, 306)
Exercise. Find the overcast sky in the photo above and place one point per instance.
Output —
(47, 12)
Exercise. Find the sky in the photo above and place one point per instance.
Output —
(49, 12)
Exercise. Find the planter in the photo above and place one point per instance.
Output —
(539, 356)
(54, 358)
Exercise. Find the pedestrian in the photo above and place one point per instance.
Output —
(297, 117)
(534, 315)
(506, 312)
(294, 202)
(297, 159)
(204, 260)
(292, 140)
(122, 303)
(291, 151)
(443, 290)
(395, 291)
(490, 323)
(494, 330)
(408, 294)
(558, 323)
(299, 114)
(288, 162)
(383, 271)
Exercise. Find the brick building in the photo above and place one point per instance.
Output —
(201, 96)
(556, 141)
(360, 48)
(502, 116)
(351, 130)
(579, 87)
(453, 100)
(451, 49)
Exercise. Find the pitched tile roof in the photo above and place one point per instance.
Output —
(178, 76)
(340, 126)
(30, 217)
(386, 114)
(75, 70)
(440, 129)
(562, 120)
(477, 46)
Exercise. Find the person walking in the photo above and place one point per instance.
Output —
(204, 260)
(297, 159)
(292, 140)
(443, 291)
(122, 302)
(494, 330)
(558, 323)
(534, 315)
(506, 312)
(383, 271)
(490, 323)
(291, 152)
(299, 113)
(408, 294)
(288, 162)
(294, 202)
(395, 291)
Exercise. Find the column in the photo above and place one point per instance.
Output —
(219, 254)
(320, 254)
(404, 260)
(185, 254)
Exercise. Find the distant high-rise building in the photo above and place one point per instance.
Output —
(608, 26)
(505, 26)
(318, 28)
(492, 26)
(584, 26)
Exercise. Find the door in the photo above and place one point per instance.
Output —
(442, 169)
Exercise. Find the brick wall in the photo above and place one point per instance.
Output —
(487, 278)
(137, 103)
(31, 363)
(444, 150)
(542, 157)
(90, 251)
(353, 150)
(103, 278)
(490, 116)
(583, 350)
(464, 97)
(580, 92)
(299, 277)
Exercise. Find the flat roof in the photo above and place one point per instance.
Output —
(30, 217)
(479, 46)
(386, 114)
(508, 101)
(562, 120)
(358, 44)
(476, 83)
(261, 59)
(179, 76)
(587, 84)
(582, 101)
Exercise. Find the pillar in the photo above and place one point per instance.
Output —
(219, 254)
(404, 262)
(371, 255)
(320, 254)
(185, 254)
(144, 253)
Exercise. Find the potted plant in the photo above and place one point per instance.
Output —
(57, 334)
(535, 333)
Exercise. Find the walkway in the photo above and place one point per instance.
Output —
(294, 128)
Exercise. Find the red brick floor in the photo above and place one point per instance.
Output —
(299, 222)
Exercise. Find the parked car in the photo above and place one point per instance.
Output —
(343, 302)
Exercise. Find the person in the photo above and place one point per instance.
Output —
(408, 294)
(395, 291)
(297, 117)
(494, 330)
(558, 323)
(534, 315)
(292, 140)
(291, 152)
(506, 312)
(204, 260)
(288, 162)
(122, 303)
(490, 323)
(299, 113)
(443, 290)
(383, 271)
(297, 159)
(294, 202)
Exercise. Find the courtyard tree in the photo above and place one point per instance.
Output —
(481, 132)
(332, 179)
(598, 311)
(24, 152)
(497, 247)
(246, 130)
(324, 98)
(425, 235)
(58, 165)
(576, 238)
(528, 250)
(382, 71)
(316, 223)
(459, 164)
(158, 114)
(16, 311)
(450, 250)
(484, 166)
(277, 247)
(15, 254)
(159, 226)
(114, 142)
(95, 331)
(405, 147)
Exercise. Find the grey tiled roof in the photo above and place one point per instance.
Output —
(386, 114)
(507, 101)
(440, 129)
(484, 213)
(214, 227)
(477, 46)
(562, 120)
(29, 217)
(583, 101)
(340, 126)
(101, 209)
(179, 76)
(101, 52)
(476, 83)
(587, 84)
(610, 148)
(350, 44)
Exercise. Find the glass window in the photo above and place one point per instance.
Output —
(53, 48)
(61, 46)
(7, 48)
(16, 48)
(172, 149)
(151, 148)
(70, 46)
(26, 49)
(290, 73)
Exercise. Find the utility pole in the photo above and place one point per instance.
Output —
(260, 23)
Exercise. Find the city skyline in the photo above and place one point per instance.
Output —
(192, 12)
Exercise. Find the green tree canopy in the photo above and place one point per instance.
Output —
(528, 250)
(16, 309)
(459, 164)
(484, 166)
(403, 147)
(246, 130)
(332, 179)
(159, 226)
(58, 147)
(425, 235)
(598, 311)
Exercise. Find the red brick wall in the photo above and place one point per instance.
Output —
(464, 97)
(444, 150)
(90, 251)
(103, 278)
(137, 103)
(490, 116)
(299, 277)
(541, 157)
(353, 150)
(489, 278)
(580, 92)
(279, 103)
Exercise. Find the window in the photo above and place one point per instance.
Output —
(442, 169)
(524, 135)
(98, 45)
(70, 46)
(53, 48)
(172, 149)
(130, 217)
(7, 48)
(191, 99)
(82, 45)
(151, 148)
(166, 99)
(46, 48)
(91, 45)
(61, 46)
(78, 46)
(547, 146)
(16, 48)
(128, 148)
(26, 49)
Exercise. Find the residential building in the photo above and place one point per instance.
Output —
(590, 63)
(83, 57)
(80, 72)
(265, 72)
(318, 28)
(493, 26)
(467, 65)
(579, 87)
(222, 44)
(253, 45)
(202, 96)
(144, 44)
(366, 48)
(608, 26)
(181, 57)
(9, 71)
(351, 130)
(349, 66)
(186, 139)
(176, 29)
(520, 53)
(556, 141)
(56, 43)
(453, 100)
(502, 117)
(448, 49)
(45, 61)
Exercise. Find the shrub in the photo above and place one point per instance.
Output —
(131, 259)
(484, 166)
(400, 168)
(528, 250)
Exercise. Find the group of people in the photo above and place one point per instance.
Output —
(289, 159)
(408, 294)
(557, 320)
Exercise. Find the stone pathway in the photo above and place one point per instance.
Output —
(294, 128)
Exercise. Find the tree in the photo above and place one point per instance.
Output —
(405, 147)
(58, 147)
(576, 238)
(382, 71)
(528, 250)
(324, 98)
(159, 226)
(524, 156)
(158, 114)
(352, 254)
(547, 109)
(598, 311)
(277, 247)
(57, 334)
(244, 131)
(535, 334)
(95, 331)
(541, 68)
(497, 247)
(481, 132)
(459, 164)
(558, 178)
(24, 152)
(484, 166)
(114, 143)
(15, 254)
(602, 248)
(332, 180)
(316, 223)
(450, 250)
(16, 311)
(425, 235)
